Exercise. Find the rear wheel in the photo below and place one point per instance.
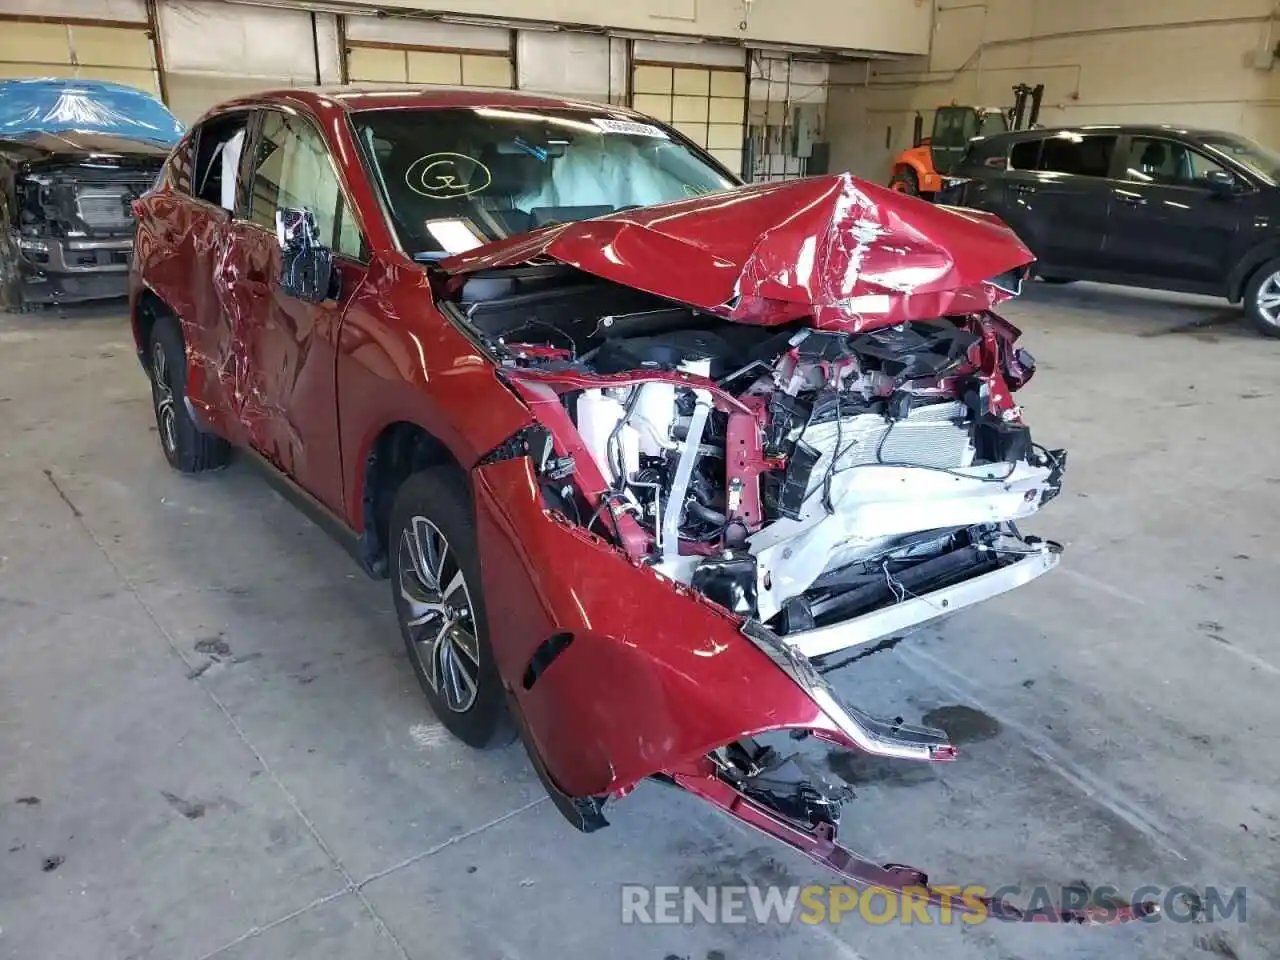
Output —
(439, 600)
(905, 181)
(187, 448)
(1262, 299)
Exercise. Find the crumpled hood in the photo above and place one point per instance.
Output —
(853, 255)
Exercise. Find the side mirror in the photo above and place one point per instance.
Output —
(1222, 183)
(306, 265)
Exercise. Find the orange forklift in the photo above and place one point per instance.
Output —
(920, 170)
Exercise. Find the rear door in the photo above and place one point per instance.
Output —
(192, 227)
(1167, 226)
(1057, 198)
(289, 346)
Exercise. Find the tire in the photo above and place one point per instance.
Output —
(1262, 299)
(187, 448)
(1057, 281)
(439, 602)
(905, 181)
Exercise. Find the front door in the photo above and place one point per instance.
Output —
(289, 346)
(1167, 225)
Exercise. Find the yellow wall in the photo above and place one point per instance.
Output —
(1150, 61)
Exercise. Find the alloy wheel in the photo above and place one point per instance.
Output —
(439, 619)
(1268, 300)
(166, 415)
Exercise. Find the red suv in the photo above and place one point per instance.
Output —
(637, 446)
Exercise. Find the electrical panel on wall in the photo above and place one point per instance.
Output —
(806, 120)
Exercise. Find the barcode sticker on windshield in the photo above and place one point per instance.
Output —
(629, 127)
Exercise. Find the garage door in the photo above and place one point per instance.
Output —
(706, 103)
(214, 51)
(95, 50)
(381, 50)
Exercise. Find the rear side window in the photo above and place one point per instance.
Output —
(1025, 155)
(1083, 156)
(217, 168)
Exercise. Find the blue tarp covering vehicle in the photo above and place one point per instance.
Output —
(84, 106)
(74, 155)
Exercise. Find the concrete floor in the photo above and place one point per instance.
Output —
(211, 744)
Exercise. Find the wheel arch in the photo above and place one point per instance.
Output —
(1253, 260)
(393, 453)
(148, 307)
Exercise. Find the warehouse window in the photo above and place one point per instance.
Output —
(706, 104)
(117, 51)
(377, 62)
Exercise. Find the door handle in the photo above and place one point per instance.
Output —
(1131, 199)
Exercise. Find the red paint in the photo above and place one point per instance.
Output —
(658, 676)
(853, 255)
(820, 844)
(654, 676)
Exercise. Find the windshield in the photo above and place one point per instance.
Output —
(454, 179)
(1256, 157)
(61, 106)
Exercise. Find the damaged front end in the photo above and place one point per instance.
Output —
(720, 488)
(70, 226)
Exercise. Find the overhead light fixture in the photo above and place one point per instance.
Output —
(655, 37)
(466, 21)
(780, 48)
(304, 5)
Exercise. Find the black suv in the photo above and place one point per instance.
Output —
(1150, 206)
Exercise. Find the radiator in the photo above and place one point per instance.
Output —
(938, 435)
(105, 206)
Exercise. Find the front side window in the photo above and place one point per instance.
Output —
(1263, 162)
(1156, 160)
(292, 170)
(453, 179)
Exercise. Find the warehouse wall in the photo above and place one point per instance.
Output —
(898, 26)
(1155, 61)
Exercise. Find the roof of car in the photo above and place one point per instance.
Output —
(356, 98)
(1146, 129)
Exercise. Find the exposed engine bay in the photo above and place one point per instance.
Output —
(836, 487)
(70, 218)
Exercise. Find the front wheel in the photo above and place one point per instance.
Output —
(1262, 299)
(439, 601)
